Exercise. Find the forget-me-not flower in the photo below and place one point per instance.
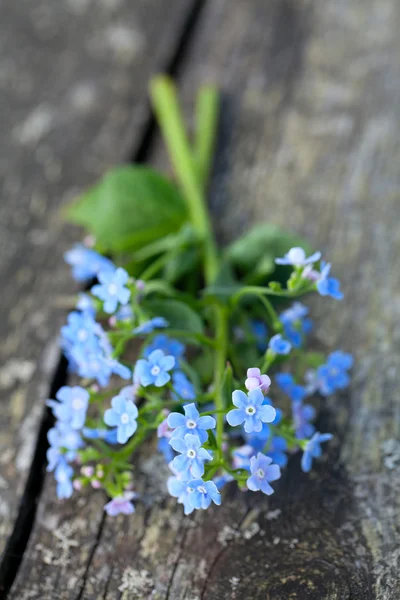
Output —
(278, 344)
(297, 257)
(71, 406)
(250, 410)
(183, 387)
(286, 382)
(122, 415)
(302, 415)
(260, 332)
(63, 476)
(313, 449)
(262, 473)
(168, 345)
(112, 290)
(333, 375)
(256, 380)
(192, 456)
(121, 505)
(64, 442)
(295, 323)
(202, 493)
(190, 422)
(328, 286)
(150, 326)
(86, 263)
(180, 489)
(108, 435)
(154, 371)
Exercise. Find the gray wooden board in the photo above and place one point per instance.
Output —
(73, 101)
(309, 140)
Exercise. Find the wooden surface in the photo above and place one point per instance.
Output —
(309, 140)
(68, 110)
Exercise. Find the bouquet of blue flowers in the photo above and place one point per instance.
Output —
(209, 343)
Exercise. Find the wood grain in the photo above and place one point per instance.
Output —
(73, 101)
(309, 140)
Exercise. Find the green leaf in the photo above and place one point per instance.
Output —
(256, 250)
(129, 208)
(178, 314)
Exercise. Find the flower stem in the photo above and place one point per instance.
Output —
(165, 103)
(207, 108)
(221, 340)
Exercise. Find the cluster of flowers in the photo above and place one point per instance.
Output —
(96, 431)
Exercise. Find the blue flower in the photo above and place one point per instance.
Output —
(63, 476)
(71, 406)
(112, 290)
(192, 456)
(250, 410)
(122, 415)
(108, 435)
(274, 446)
(221, 480)
(183, 387)
(178, 488)
(190, 422)
(165, 449)
(297, 257)
(202, 493)
(150, 326)
(296, 392)
(278, 345)
(302, 414)
(328, 286)
(168, 345)
(262, 473)
(64, 443)
(124, 313)
(154, 371)
(81, 328)
(333, 375)
(94, 365)
(295, 324)
(86, 263)
(313, 449)
(260, 332)
(85, 304)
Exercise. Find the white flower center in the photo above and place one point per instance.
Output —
(95, 365)
(190, 424)
(112, 289)
(260, 474)
(155, 370)
(334, 371)
(62, 477)
(191, 453)
(250, 410)
(189, 490)
(77, 404)
(124, 418)
(202, 489)
(82, 335)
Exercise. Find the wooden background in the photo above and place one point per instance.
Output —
(310, 140)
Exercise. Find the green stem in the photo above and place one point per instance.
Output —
(207, 109)
(165, 103)
(255, 290)
(221, 340)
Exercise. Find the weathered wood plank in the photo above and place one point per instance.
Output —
(73, 83)
(309, 140)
